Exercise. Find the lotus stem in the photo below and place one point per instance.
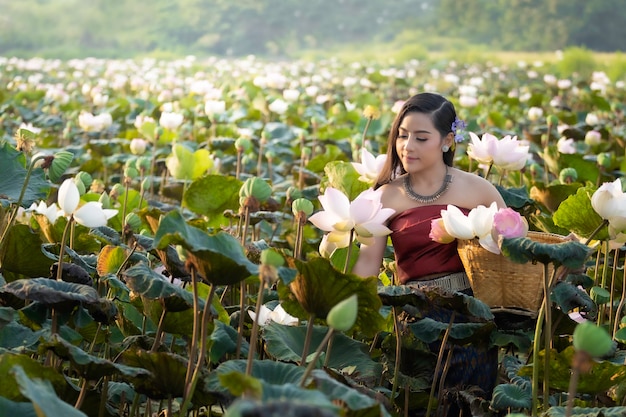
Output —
(396, 369)
(547, 334)
(612, 318)
(189, 390)
(444, 340)
(307, 339)
(255, 328)
(126, 186)
(318, 351)
(618, 313)
(159, 332)
(301, 221)
(578, 361)
(488, 170)
(242, 305)
(103, 396)
(196, 326)
(238, 169)
(347, 264)
(536, 347)
(81, 395)
(597, 229)
(13, 215)
(259, 163)
(328, 350)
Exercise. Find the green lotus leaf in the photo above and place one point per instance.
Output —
(174, 322)
(211, 196)
(318, 287)
(332, 154)
(523, 249)
(620, 335)
(342, 176)
(268, 371)
(426, 300)
(219, 258)
(50, 292)
(353, 399)
(168, 256)
(428, 330)
(569, 297)
(42, 395)
(515, 197)
(583, 280)
(22, 254)
(561, 411)
(150, 284)
(286, 343)
(239, 384)
(599, 295)
(89, 366)
(14, 171)
(285, 401)
(61, 162)
(167, 376)
(10, 408)
(224, 341)
(553, 195)
(577, 215)
(509, 396)
(30, 367)
(603, 374)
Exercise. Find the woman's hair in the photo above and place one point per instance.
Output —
(442, 113)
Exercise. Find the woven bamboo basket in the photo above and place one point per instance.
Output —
(501, 283)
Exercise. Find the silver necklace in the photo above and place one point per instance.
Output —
(426, 199)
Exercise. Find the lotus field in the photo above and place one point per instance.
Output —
(176, 238)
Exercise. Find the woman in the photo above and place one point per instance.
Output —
(418, 181)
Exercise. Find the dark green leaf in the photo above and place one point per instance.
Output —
(219, 258)
(150, 284)
(342, 176)
(22, 254)
(569, 297)
(43, 397)
(32, 368)
(270, 372)
(515, 197)
(523, 249)
(286, 343)
(10, 408)
(14, 171)
(50, 292)
(509, 396)
(318, 287)
(428, 330)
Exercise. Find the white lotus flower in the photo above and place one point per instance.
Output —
(90, 123)
(591, 119)
(214, 107)
(90, 214)
(477, 224)
(365, 215)
(171, 120)
(370, 166)
(264, 315)
(278, 106)
(52, 212)
(535, 113)
(609, 201)
(566, 145)
(278, 315)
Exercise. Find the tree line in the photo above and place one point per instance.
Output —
(126, 28)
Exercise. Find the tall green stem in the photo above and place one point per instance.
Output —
(396, 369)
(318, 351)
(307, 340)
(255, 328)
(349, 254)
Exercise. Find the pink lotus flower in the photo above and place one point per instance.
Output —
(438, 232)
(365, 216)
(506, 153)
(508, 223)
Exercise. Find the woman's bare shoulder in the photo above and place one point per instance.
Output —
(475, 189)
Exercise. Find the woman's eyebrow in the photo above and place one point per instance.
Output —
(415, 131)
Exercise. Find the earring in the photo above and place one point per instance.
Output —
(445, 148)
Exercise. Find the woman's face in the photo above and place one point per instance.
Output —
(419, 143)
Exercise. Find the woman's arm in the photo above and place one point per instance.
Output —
(370, 258)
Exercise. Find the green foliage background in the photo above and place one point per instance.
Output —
(285, 28)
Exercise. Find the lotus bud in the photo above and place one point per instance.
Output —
(117, 190)
(131, 172)
(255, 187)
(604, 160)
(133, 220)
(343, 315)
(302, 205)
(138, 146)
(80, 186)
(552, 120)
(593, 138)
(568, 175)
(97, 186)
(85, 178)
(145, 184)
(105, 200)
(293, 193)
(143, 163)
(130, 162)
(371, 112)
(59, 164)
(243, 144)
(270, 155)
(592, 339)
